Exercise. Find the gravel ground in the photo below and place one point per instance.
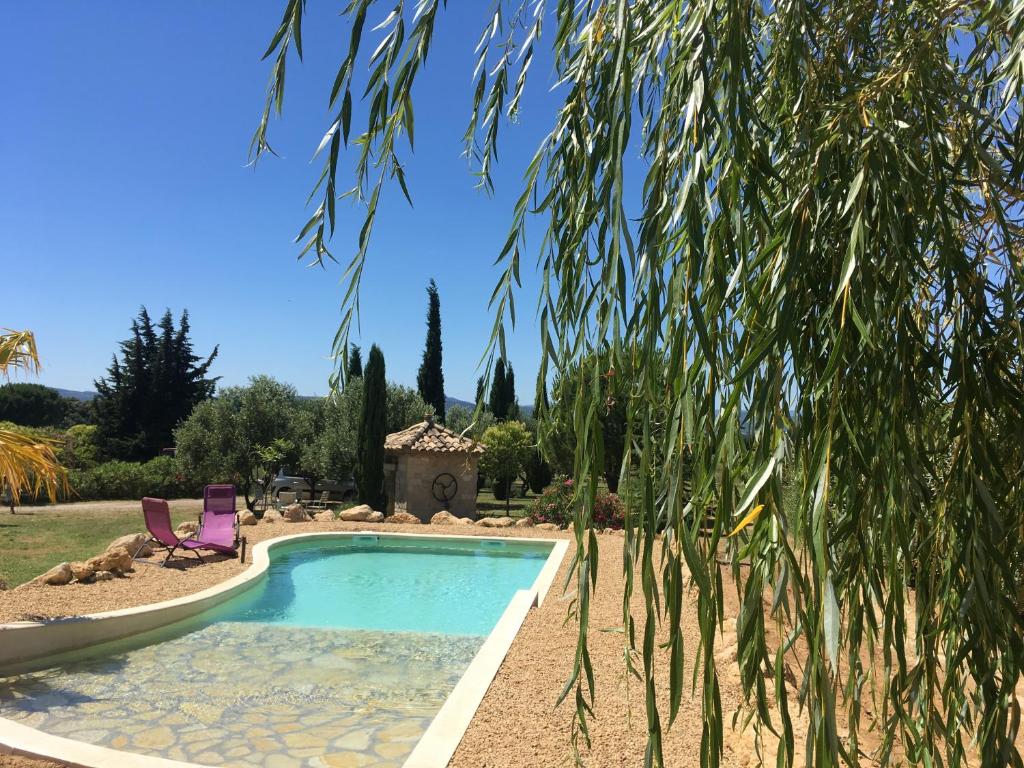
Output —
(517, 723)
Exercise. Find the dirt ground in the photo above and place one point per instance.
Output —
(518, 723)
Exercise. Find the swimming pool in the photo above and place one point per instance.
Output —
(342, 654)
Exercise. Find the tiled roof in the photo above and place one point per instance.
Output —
(430, 437)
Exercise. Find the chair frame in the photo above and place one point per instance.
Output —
(162, 546)
(320, 503)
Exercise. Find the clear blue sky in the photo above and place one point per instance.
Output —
(124, 183)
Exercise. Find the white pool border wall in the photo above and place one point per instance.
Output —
(22, 643)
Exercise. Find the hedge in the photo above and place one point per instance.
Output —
(160, 477)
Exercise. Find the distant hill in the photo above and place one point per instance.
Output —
(449, 401)
(525, 410)
(75, 394)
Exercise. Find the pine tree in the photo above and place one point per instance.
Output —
(151, 389)
(430, 379)
(355, 362)
(497, 396)
(369, 470)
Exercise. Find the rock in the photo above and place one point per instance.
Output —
(375, 517)
(496, 522)
(117, 559)
(294, 513)
(444, 517)
(186, 528)
(358, 514)
(524, 522)
(272, 516)
(56, 576)
(245, 517)
(83, 572)
(132, 542)
(3, 585)
(324, 517)
(103, 576)
(402, 518)
(546, 527)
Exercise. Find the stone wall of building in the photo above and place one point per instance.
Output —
(414, 482)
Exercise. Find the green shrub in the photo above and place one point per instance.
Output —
(556, 505)
(161, 477)
(502, 488)
(538, 472)
(608, 511)
(79, 450)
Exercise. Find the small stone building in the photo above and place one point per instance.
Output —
(429, 468)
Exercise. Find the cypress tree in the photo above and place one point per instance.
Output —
(369, 470)
(480, 390)
(355, 362)
(430, 379)
(511, 404)
(497, 398)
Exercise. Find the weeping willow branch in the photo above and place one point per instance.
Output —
(818, 288)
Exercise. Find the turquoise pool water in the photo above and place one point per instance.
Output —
(340, 657)
(402, 585)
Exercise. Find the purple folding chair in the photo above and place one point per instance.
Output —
(218, 527)
(158, 523)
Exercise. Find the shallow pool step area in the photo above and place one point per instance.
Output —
(251, 694)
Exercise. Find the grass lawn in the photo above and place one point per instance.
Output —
(488, 506)
(38, 538)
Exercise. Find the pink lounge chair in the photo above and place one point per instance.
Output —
(218, 528)
(158, 523)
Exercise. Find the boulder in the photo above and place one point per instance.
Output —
(83, 572)
(294, 513)
(271, 516)
(117, 559)
(524, 522)
(496, 522)
(546, 527)
(444, 517)
(59, 574)
(186, 528)
(245, 517)
(359, 514)
(132, 542)
(375, 517)
(324, 517)
(402, 518)
(103, 576)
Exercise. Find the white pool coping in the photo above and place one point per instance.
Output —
(22, 643)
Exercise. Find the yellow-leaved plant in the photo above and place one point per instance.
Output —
(27, 462)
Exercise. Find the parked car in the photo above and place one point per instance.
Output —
(339, 490)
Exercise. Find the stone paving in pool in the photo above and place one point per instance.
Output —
(294, 696)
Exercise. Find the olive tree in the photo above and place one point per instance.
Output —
(242, 436)
(816, 253)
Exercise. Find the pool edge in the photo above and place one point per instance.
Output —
(445, 730)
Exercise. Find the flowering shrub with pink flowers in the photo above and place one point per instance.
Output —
(555, 505)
